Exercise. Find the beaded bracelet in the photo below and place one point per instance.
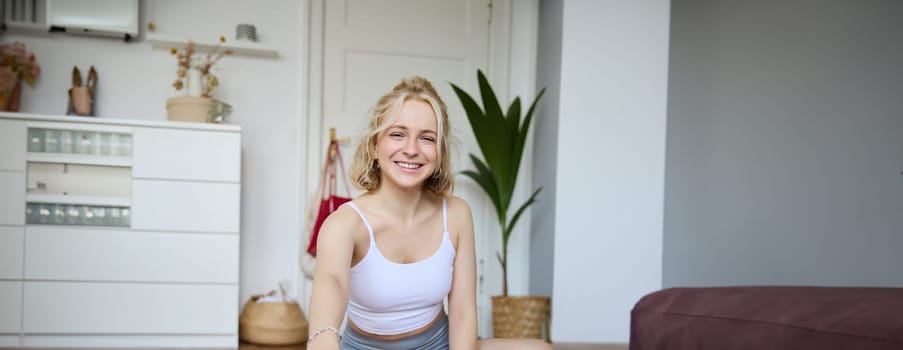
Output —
(323, 330)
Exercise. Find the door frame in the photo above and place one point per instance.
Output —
(512, 71)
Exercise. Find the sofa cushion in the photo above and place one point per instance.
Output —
(773, 318)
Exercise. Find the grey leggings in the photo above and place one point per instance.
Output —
(434, 338)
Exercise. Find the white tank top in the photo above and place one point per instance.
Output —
(391, 298)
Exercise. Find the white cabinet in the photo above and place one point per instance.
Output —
(12, 197)
(122, 308)
(187, 155)
(12, 143)
(10, 307)
(12, 239)
(63, 253)
(202, 206)
(118, 233)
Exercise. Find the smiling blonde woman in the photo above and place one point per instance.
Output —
(390, 257)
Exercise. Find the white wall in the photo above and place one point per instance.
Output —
(610, 167)
(134, 83)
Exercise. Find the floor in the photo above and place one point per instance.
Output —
(557, 347)
(590, 346)
(255, 347)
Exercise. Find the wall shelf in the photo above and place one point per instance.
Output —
(238, 47)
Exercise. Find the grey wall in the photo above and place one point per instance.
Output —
(545, 151)
(785, 143)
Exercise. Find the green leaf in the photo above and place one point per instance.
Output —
(474, 115)
(484, 180)
(482, 128)
(512, 120)
(513, 116)
(518, 213)
(498, 154)
(525, 129)
(490, 102)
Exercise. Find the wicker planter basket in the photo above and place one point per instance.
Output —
(520, 317)
(272, 323)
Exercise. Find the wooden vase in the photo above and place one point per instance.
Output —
(9, 100)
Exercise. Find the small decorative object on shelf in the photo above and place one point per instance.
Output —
(81, 96)
(195, 75)
(246, 32)
(16, 65)
(220, 112)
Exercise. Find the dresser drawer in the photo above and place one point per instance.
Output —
(187, 155)
(12, 240)
(12, 197)
(13, 143)
(121, 308)
(86, 254)
(10, 307)
(185, 206)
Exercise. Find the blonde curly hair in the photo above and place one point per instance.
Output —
(365, 172)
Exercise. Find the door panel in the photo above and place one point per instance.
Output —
(442, 16)
(369, 46)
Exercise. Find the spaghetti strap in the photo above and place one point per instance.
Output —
(361, 214)
(444, 215)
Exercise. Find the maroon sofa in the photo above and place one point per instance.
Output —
(769, 318)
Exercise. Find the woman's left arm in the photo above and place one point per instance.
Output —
(462, 299)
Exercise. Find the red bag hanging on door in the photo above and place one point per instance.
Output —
(329, 199)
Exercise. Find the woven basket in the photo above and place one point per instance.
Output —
(520, 317)
(272, 323)
(188, 108)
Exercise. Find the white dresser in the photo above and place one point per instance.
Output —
(118, 233)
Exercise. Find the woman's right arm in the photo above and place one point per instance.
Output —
(329, 299)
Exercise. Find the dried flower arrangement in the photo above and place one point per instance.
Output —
(188, 61)
(16, 64)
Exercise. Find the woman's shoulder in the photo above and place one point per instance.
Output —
(457, 207)
(456, 201)
(344, 219)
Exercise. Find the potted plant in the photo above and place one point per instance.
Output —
(501, 137)
(196, 77)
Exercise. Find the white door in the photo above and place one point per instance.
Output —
(370, 45)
